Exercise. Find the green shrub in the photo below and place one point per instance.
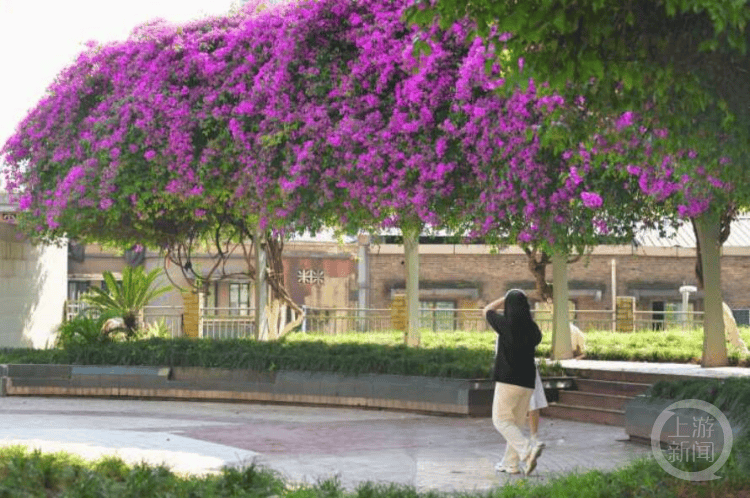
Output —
(554, 369)
(441, 354)
(270, 356)
(127, 299)
(25, 473)
(730, 395)
(158, 329)
(83, 329)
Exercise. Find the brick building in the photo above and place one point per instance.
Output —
(360, 273)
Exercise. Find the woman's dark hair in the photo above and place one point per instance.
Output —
(518, 311)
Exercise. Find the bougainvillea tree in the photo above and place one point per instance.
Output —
(213, 130)
(312, 114)
(393, 143)
(120, 150)
(281, 120)
(680, 67)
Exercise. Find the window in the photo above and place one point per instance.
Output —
(657, 317)
(742, 316)
(77, 288)
(210, 297)
(675, 317)
(315, 277)
(437, 315)
(239, 298)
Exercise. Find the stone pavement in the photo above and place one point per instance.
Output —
(304, 444)
(682, 369)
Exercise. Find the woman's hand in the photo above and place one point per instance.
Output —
(496, 304)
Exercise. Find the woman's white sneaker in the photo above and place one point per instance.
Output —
(534, 454)
(501, 467)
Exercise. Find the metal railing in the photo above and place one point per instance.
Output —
(741, 316)
(225, 322)
(74, 308)
(228, 323)
(170, 316)
(664, 320)
(341, 320)
(334, 321)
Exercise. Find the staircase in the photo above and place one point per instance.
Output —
(600, 396)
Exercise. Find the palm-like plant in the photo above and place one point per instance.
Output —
(127, 298)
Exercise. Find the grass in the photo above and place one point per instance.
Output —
(466, 355)
(673, 345)
(25, 473)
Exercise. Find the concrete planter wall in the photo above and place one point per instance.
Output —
(424, 394)
(553, 386)
(641, 414)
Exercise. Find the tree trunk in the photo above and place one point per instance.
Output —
(279, 296)
(263, 266)
(538, 261)
(411, 259)
(728, 215)
(261, 287)
(708, 228)
(562, 347)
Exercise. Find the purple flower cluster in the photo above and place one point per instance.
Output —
(320, 112)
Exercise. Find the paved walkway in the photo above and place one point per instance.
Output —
(307, 444)
(658, 368)
(304, 444)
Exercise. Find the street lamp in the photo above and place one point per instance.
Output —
(685, 290)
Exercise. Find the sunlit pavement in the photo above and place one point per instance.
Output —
(303, 444)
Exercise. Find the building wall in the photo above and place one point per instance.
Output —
(446, 271)
(333, 285)
(471, 275)
(33, 282)
(648, 273)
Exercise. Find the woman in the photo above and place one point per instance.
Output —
(514, 375)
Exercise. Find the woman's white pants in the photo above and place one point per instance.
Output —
(510, 407)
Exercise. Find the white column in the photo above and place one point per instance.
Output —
(562, 347)
(685, 290)
(363, 281)
(261, 288)
(613, 287)
(411, 261)
(714, 340)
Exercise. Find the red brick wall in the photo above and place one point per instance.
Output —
(493, 275)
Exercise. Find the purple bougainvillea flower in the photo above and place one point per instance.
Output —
(591, 199)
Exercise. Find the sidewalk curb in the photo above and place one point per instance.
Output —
(470, 397)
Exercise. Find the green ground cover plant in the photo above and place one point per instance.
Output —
(466, 355)
(671, 345)
(25, 473)
(731, 396)
(83, 329)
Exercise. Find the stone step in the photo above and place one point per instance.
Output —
(622, 376)
(611, 387)
(585, 414)
(594, 400)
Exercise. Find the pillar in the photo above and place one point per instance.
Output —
(562, 347)
(714, 340)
